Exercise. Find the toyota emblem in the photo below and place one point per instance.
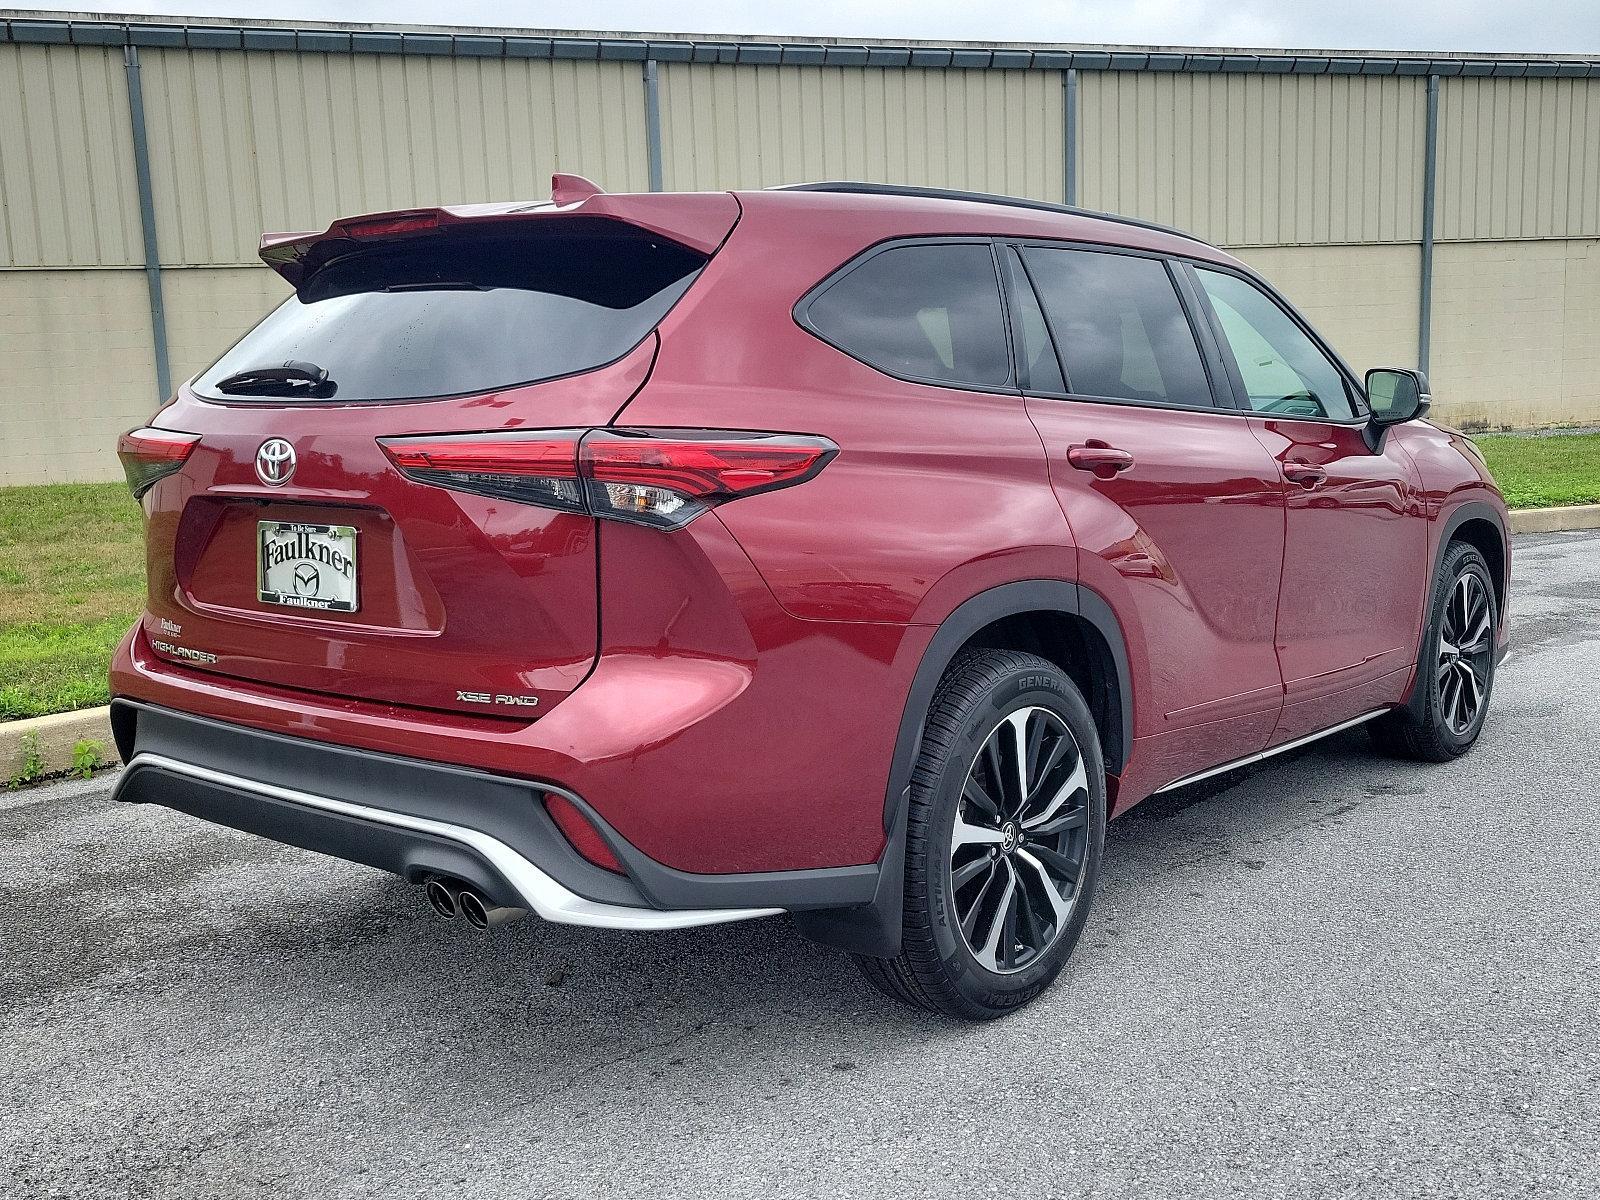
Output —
(275, 462)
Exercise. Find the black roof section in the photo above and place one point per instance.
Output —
(853, 187)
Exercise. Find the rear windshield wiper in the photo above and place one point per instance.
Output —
(292, 378)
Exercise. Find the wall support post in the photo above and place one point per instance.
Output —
(147, 223)
(652, 121)
(1430, 164)
(1069, 85)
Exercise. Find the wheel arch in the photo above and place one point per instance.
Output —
(1479, 525)
(1066, 622)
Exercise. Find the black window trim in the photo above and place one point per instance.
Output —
(1358, 392)
(802, 309)
(1222, 398)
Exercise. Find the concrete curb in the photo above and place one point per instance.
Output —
(1555, 520)
(54, 738)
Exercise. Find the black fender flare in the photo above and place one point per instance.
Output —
(1469, 510)
(874, 928)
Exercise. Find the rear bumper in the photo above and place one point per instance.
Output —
(418, 818)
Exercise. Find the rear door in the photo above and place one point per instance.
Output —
(292, 550)
(1356, 553)
(1176, 507)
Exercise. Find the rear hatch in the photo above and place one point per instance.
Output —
(289, 549)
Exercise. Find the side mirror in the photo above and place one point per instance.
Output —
(1397, 395)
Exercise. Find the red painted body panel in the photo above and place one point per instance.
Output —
(728, 695)
(1355, 573)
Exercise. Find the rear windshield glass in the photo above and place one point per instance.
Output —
(454, 315)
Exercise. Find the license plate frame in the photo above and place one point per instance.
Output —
(308, 566)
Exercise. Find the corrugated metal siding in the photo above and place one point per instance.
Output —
(67, 192)
(1519, 158)
(246, 142)
(752, 127)
(1253, 160)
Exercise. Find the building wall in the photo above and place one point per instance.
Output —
(76, 372)
(1257, 160)
(1516, 333)
(753, 126)
(1314, 179)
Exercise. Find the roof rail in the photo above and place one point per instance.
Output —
(931, 193)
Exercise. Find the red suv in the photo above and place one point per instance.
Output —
(648, 561)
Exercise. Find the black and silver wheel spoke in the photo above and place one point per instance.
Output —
(1017, 845)
(1465, 653)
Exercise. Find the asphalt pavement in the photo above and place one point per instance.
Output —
(1334, 975)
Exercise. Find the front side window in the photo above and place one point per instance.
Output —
(1283, 370)
(1119, 327)
(926, 312)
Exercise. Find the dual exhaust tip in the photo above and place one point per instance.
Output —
(450, 899)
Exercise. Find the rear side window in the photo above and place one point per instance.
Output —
(926, 312)
(1119, 327)
(454, 315)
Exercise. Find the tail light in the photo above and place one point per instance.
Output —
(149, 455)
(585, 838)
(663, 478)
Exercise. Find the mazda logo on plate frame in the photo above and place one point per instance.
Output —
(275, 462)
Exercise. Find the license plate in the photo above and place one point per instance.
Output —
(306, 566)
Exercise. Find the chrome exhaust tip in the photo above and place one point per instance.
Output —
(480, 914)
(443, 898)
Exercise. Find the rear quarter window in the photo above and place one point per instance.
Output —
(461, 314)
(928, 312)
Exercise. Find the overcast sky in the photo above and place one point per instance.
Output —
(1549, 26)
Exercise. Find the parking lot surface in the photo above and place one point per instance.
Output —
(1334, 975)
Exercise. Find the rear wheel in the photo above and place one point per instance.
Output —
(1456, 671)
(1003, 841)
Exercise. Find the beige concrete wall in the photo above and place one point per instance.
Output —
(1362, 299)
(210, 308)
(1516, 333)
(76, 372)
(1251, 160)
(750, 127)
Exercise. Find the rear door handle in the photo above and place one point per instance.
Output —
(1105, 461)
(1305, 474)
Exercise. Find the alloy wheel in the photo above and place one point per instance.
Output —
(1018, 845)
(1466, 653)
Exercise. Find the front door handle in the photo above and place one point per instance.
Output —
(1307, 475)
(1105, 461)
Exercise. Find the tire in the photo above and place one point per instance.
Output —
(960, 954)
(1432, 728)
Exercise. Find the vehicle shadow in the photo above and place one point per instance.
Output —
(346, 972)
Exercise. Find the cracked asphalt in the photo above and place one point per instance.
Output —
(1336, 975)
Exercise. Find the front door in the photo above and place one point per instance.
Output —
(1356, 546)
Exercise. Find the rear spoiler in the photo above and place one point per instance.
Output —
(698, 220)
